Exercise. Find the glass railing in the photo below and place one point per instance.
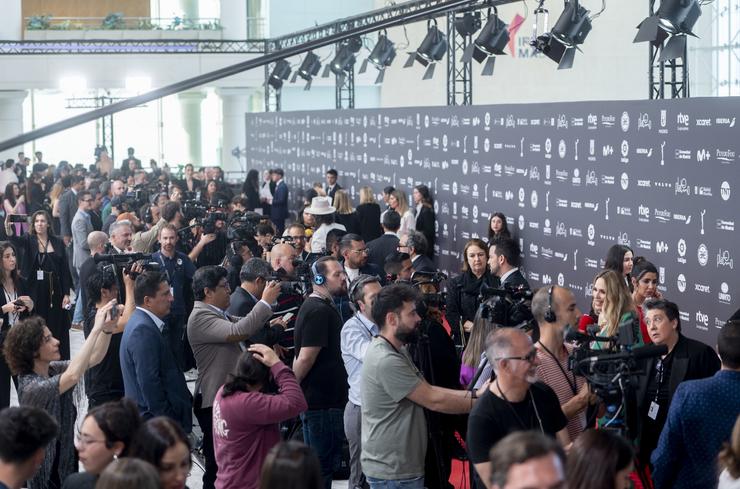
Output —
(117, 21)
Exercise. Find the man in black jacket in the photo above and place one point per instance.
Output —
(504, 259)
(331, 183)
(388, 242)
(416, 246)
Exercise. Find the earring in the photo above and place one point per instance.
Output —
(115, 456)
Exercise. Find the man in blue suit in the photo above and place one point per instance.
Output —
(150, 375)
(279, 209)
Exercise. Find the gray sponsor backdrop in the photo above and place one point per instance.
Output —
(572, 179)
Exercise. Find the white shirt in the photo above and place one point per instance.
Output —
(352, 274)
(318, 240)
(157, 322)
(408, 223)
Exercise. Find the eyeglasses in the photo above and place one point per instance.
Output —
(87, 200)
(83, 441)
(528, 358)
(364, 251)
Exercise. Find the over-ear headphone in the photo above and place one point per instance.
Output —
(357, 284)
(550, 314)
(318, 278)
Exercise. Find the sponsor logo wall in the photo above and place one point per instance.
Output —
(659, 176)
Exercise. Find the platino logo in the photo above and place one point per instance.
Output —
(625, 121)
(681, 282)
(724, 259)
(702, 254)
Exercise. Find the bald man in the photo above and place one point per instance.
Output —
(96, 241)
(281, 256)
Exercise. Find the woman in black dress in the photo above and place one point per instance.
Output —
(251, 190)
(368, 213)
(44, 265)
(425, 216)
(13, 290)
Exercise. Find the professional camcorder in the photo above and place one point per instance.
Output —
(127, 260)
(506, 306)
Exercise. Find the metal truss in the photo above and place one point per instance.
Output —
(194, 46)
(667, 79)
(345, 90)
(273, 96)
(106, 132)
(459, 72)
(284, 47)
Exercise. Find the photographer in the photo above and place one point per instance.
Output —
(104, 381)
(214, 337)
(515, 401)
(554, 308)
(254, 277)
(398, 267)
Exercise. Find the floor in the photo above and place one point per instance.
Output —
(196, 475)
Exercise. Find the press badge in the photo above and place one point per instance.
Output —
(653, 411)
(39, 275)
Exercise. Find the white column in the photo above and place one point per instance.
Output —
(234, 19)
(191, 123)
(11, 117)
(12, 27)
(189, 8)
(235, 103)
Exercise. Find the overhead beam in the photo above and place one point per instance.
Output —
(319, 37)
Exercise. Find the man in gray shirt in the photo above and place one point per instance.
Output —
(394, 396)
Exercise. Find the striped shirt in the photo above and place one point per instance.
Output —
(549, 373)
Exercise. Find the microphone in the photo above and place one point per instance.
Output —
(593, 329)
(585, 320)
(648, 351)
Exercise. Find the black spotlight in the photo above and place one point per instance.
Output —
(674, 19)
(431, 50)
(344, 60)
(381, 56)
(280, 72)
(571, 29)
(491, 41)
(468, 24)
(309, 68)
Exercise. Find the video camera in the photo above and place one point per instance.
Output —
(428, 283)
(127, 260)
(297, 284)
(507, 306)
(204, 214)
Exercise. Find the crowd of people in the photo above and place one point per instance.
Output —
(321, 342)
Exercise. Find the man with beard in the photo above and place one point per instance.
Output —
(318, 365)
(180, 270)
(515, 401)
(394, 395)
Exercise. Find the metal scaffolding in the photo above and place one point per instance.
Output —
(672, 75)
(459, 72)
(345, 90)
(194, 46)
(105, 127)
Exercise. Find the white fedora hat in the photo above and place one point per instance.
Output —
(320, 206)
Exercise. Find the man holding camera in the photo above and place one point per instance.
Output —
(179, 270)
(214, 336)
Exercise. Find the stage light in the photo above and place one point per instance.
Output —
(431, 50)
(491, 41)
(381, 56)
(571, 29)
(674, 20)
(280, 72)
(309, 68)
(468, 24)
(344, 61)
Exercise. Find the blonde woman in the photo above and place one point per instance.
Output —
(368, 213)
(400, 203)
(617, 307)
(56, 192)
(346, 215)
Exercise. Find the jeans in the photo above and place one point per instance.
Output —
(415, 483)
(79, 311)
(352, 425)
(323, 431)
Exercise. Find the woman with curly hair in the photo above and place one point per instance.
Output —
(45, 382)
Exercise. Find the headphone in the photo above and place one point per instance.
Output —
(357, 284)
(318, 278)
(550, 314)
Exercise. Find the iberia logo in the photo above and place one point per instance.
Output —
(514, 26)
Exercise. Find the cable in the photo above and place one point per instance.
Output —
(615, 416)
(603, 7)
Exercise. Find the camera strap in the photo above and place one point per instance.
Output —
(574, 384)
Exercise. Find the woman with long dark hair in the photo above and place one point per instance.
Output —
(425, 216)
(464, 290)
(105, 435)
(600, 459)
(45, 267)
(246, 413)
(644, 287)
(497, 227)
(15, 203)
(163, 443)
(15, 304)
(619, 258)
(289, 465)
(251, 189)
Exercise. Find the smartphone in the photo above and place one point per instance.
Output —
(19, 303)
(113, 313)
(287, 317)
(18, 218)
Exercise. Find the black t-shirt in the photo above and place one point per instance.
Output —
(492, 419)
(104, 381)
(319, 324)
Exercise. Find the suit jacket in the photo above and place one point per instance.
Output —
(215, 342)
(81, 227)
(516, 279)
(67, 210)
(151, 376)
(369, 217)
(330, 193)
(241, 305)
(425, 225)
(279, 208)
(423, 264)
(380, 248)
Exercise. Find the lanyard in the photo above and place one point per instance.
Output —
(573, 385)
(661, 370)
(516, 415)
